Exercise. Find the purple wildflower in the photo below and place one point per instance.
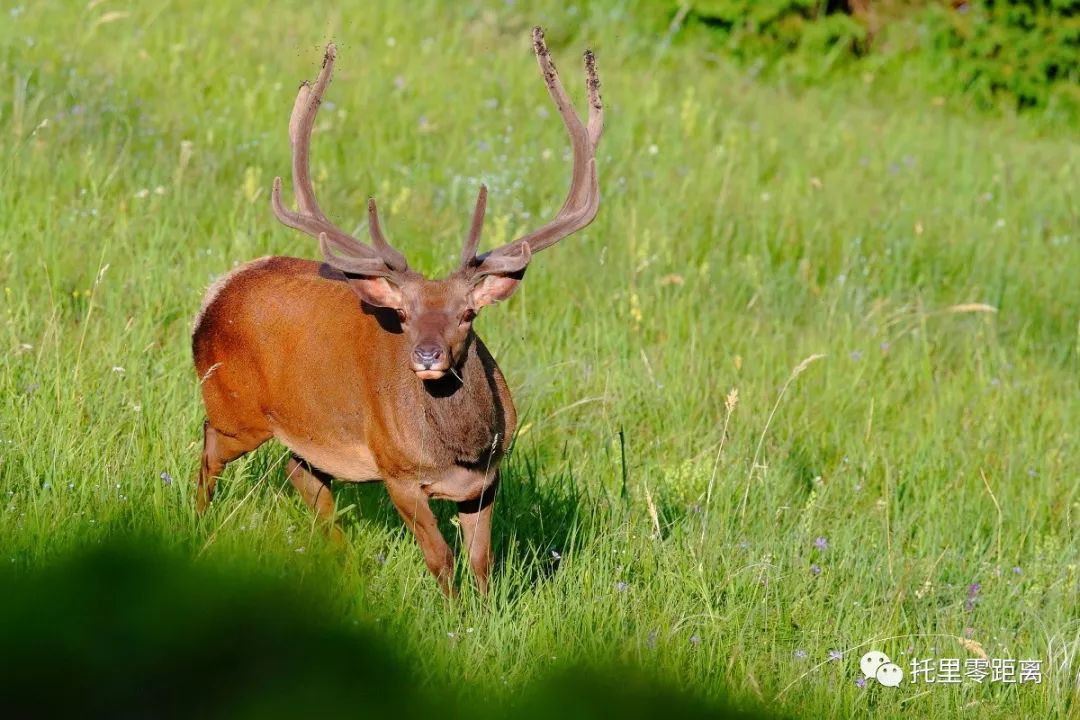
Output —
(856, 355)
(1016, 570)
(836, 655)
(695, 639)
(800, 654)
(621, 586)
(166, 478)
(821, 543)
(860, 682)
(815, 569)
(972, 596)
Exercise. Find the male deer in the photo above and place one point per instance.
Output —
(366, 370)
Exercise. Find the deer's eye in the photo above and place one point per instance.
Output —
(400, 315)
(468, 315)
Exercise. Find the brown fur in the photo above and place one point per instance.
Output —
(285, 349)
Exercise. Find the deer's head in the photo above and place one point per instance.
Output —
(437, 315)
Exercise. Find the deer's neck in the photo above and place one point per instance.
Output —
(464, 413)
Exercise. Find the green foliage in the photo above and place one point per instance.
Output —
(1022, 53)
(1018, 54)
(775, 30)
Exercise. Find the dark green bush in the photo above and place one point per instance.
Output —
(756, 30)
(1022, 54)
(1025, 54)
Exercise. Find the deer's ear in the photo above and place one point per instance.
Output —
(377, 291)
(495, 288)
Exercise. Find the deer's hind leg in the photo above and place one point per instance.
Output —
(314, 487)
(219, 449)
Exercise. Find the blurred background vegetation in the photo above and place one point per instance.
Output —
(1000, 54)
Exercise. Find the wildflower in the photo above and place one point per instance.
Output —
(856, 355)
(972, 596)
(380, 558)
(815, 569)
(884, 346)
(166, 478)
(1016, 570)
(1031, 472)
(651, 641)
(695, 639)
(860, 682)
(621, 586)
(821, 543)
(800, 654)
(835, 655)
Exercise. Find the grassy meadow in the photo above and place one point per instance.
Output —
(808, 386)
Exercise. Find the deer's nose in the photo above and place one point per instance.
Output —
(427, 354)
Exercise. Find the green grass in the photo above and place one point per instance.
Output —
(743, 229)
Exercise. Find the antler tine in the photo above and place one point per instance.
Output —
(301, 123)
(583, 198)
(310, 219)
(595, 127)
(468, 252)
(390, 256)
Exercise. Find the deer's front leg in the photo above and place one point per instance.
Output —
(475, 518)
(412, 504)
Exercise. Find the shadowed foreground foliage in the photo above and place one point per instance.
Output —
(126, 630)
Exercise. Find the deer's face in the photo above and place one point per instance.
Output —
(436, 316)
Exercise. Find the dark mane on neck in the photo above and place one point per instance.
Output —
(464, 410)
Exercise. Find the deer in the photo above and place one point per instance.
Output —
(364, 369)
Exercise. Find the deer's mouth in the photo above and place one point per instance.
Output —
(429, 373)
